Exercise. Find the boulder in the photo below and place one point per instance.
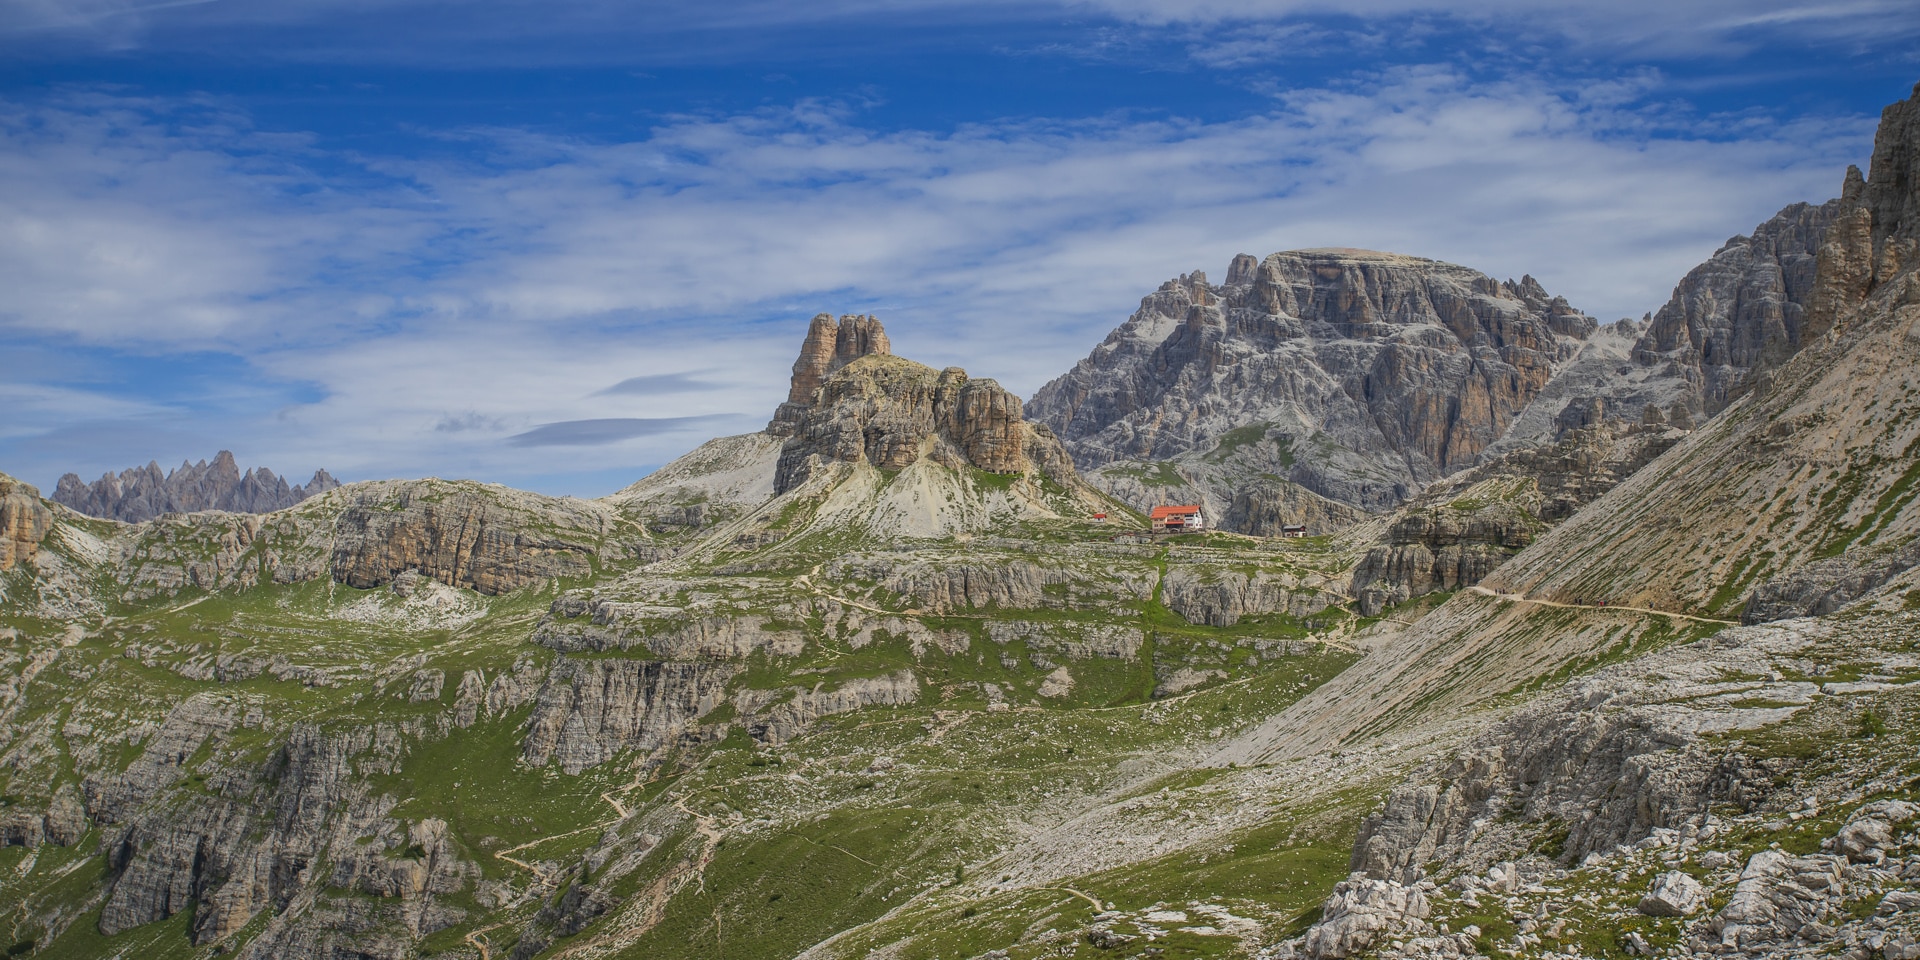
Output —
(1673, 894)
(1361, 912)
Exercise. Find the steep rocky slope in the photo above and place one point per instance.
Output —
(1463, 528)
(144, 493)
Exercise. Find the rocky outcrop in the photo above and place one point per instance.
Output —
(261, 837)
(61, 823)
(830, 345)
(1893, 189)
(1368, 374)
(143, 493)
(1823, 586)
(889, 413)
(24, 522)
(491, 540)
(219, 551)
(1362, 912)
(1778, 896)
(1445, 547)
(1221, 597)
(796, 708)
(590, 711)
(1462, 529)
(577, 623)
(953, 584)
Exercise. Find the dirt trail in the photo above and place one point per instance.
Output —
(1519, 598)
(1098, 907)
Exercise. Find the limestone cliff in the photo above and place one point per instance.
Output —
(1461, 529)
(1742, 311)
(24, 522)
(491, 541)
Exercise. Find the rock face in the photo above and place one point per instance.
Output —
(1673, 894)
(24, 522)
(1743, 310)
(590, 711)
(143, 493)
(1368, 374)
(463, 538)
(1265, 507)
(1461, 529)
(830, 345)
(890, 412)
(1440, 550)
(1777, 898)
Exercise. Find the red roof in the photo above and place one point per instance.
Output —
(1162, 513)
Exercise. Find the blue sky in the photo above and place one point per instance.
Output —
(556, 244)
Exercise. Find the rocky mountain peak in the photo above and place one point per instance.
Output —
(1392, 370)
(830, 345)
(143, 493)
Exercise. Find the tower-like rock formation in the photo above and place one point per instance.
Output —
(830, 345)
(852, 401)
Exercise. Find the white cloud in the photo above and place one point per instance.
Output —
(503, 295)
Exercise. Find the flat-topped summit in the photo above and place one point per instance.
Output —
(1352, 253)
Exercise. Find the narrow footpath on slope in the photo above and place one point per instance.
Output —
(1519, 598)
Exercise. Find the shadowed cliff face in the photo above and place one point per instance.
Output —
(1395, 370)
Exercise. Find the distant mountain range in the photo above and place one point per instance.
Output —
(143, 493)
